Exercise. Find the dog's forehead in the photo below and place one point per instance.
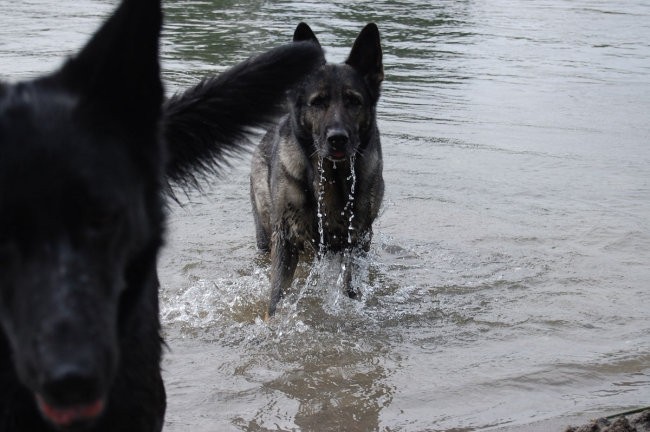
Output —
(31, 116)
(48, 155)
(333, 77)
(43, 128)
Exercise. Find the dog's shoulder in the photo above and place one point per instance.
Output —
(286, 155)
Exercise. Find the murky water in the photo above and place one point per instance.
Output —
(508, 281)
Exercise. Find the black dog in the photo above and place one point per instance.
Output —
(84, 166)
(323, 158)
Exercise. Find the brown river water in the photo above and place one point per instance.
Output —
(509, 277)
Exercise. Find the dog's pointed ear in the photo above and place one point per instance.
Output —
(304, 33)
(118, 71)
(366, 56)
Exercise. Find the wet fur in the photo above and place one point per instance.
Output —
(332, 116)
(84, 167)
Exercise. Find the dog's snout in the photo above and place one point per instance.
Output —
(337, 138)
(71, 395)
(70, 384)
(71, 365)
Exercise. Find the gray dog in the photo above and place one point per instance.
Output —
(316, 177)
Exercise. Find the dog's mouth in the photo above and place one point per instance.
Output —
(337, 155)
(66, 416)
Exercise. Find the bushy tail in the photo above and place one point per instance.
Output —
(207, 123)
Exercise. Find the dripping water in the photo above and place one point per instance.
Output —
(349, 206)
(347, 209)
(319, 211)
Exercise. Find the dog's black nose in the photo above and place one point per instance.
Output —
(337, 138)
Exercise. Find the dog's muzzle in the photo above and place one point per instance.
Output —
(337, 140)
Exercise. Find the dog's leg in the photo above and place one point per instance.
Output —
(261, 234)
(284, 258)
(366, 239)
(346, 268)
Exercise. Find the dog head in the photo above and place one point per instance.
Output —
(334, 108)
(79, 170)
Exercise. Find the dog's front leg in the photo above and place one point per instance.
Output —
(284, 258)
(346, 273)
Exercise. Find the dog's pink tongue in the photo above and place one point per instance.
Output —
(72, 414)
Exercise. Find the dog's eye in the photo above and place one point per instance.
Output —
(353, 99)
(319, 100)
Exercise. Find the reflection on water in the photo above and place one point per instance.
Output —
(507, 282)
(321, 365)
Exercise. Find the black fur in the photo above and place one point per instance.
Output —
(83, 174)
(225, 108)
(331, 130)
